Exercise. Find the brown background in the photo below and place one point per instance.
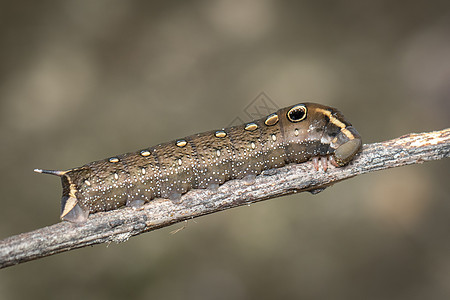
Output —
(83, 80)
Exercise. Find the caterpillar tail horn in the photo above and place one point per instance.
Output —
(51, 172)
(70, 208)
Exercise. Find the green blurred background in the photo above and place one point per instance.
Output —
(83, 80)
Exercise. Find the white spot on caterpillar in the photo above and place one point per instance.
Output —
(116, 176)
(145, 153)
(253, 145)
(180, 162)
(271, 120)
(218, 153)
(220, 134)
(251, 126)
(181, 143)
(143, 171)
(274, 137)
(87, 182)
(296, 132)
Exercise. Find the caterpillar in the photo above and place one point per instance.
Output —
(294, 134)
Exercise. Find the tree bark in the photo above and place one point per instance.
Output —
(119, 225)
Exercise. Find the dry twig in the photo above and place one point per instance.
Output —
(119, 225)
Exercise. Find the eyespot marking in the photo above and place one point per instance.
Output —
(296, 132)
(143, 171)
(253, 145)
(145, 153)
(181, 143)
(180, 162)
(116, 176)
(218, 153)
(220, 134)
(251, 127)
(271, 120)
(297, 113)
(274, 137)
(113, 160)
(87, 182)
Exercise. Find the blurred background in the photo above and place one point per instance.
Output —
(83, 80)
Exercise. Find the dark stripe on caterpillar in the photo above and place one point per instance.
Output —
(291, 135)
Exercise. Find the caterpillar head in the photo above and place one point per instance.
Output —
(324, 126)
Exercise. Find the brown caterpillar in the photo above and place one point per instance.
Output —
(291, 135)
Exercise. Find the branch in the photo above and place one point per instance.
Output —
(120, 225)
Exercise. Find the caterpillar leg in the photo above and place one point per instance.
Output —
(213, 187)
(324, 160)
(175, 197)
(249, 179)
(136, 203)
(71, 211)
